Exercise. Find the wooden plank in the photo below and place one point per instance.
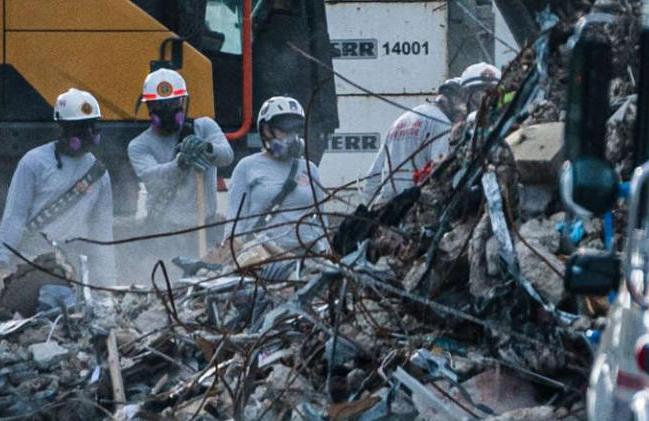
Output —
(200, 214)
(115, 369)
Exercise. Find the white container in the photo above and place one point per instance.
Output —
(389, 47)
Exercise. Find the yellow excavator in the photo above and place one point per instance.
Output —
(233, 54)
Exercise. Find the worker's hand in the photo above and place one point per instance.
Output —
(194, 152)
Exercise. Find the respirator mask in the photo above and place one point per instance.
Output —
(79, 137)
(168, 115)
(287, 142)
(290, 146)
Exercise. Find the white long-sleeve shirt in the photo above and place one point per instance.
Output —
(36, 183)
(406, 135)
(153, 158)
(261, 177)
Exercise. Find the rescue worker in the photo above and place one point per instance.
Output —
(61, 189)
(167, 157)
(276, 180)
(404, 144)
(416, 138)
(451, 100)
(475, 81)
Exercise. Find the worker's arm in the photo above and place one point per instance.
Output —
(208, 130)
(238, 187)
(440, 147)
(17, 209)
(374, 175)
(102, 258)
(318, 230)
(149, 170)
(317, 184)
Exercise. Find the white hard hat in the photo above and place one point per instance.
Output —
(74, 105)
(163, 84)
(277, 106)
(480, 74)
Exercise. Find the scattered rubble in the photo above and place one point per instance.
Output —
(452, 308)
(46, 354)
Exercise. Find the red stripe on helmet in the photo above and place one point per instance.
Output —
(180, 92)
(149, 96)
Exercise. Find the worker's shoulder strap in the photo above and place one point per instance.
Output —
(289, 185)
(68, 199)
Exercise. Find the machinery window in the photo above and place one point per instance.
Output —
(225, 17)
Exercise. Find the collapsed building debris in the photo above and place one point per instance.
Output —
(445, 303)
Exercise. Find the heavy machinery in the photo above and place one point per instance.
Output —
(233, 53)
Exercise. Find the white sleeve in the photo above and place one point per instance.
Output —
(209, 130)
(238, 187)
(375, 174)
(440, 147)
(148, 169)
(17, 209)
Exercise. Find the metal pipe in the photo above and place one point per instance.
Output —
(634, 260)
(247, 74)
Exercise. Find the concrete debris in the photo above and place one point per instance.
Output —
(535, 261)
(535, 200)
(454, 240)
(46, 354)
(538, 152)
(492, 256)
(542, 231)
(539, 413)
(420, 309)
(499, 390)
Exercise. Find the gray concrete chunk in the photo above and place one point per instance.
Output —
(46, 354)
(538, 152)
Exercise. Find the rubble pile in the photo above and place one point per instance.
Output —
(445, 303)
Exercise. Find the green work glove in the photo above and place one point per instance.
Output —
(194, 152)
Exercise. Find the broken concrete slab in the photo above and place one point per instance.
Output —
(411, 280)
(535, 199)
(539, 413)
(542, 231)
(537, 151)
(151, 319)
(499, 390)
(536, 270)
(453, 241)
(45, 354)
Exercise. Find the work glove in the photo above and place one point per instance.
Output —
(194, 152)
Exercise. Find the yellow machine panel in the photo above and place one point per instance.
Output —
(2, 56)
(57, 15)
(103, 46)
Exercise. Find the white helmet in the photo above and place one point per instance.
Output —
(480, 74)
(74, 105)
(163, 84)
(276, 106)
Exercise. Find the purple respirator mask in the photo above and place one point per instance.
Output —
(167, 115)
(81, 136)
